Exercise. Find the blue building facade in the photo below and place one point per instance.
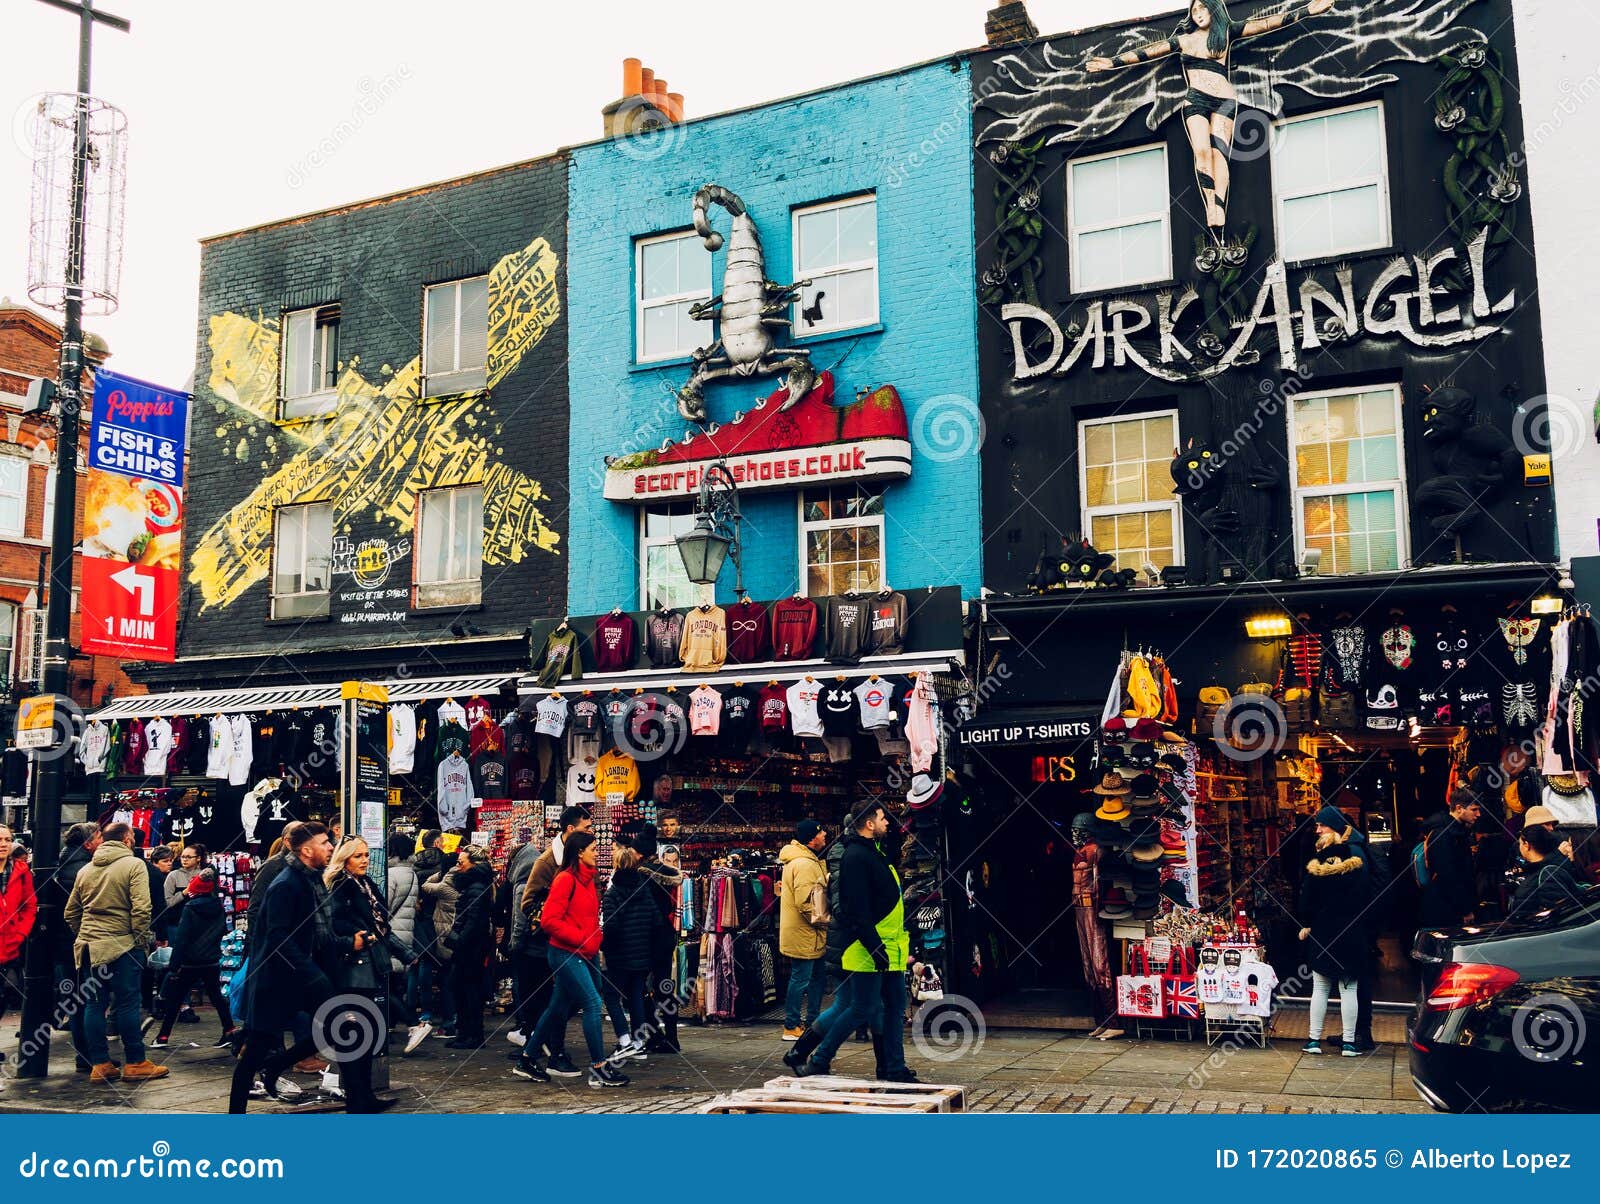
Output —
(866, 190)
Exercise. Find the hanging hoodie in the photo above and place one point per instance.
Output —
(849, 621)
(157, 746)
(551, 716)
(613, 718)
(802, 699)
(663, 635)
(922, 723)
(93, 746)
(794, 629)
(705, 712)
(617, 773)
(221, 747)
(402, 737)
(748, 635)
(133, 748)
(774, 708)
(613, 643)
(1450, 697)
(490, 775)
(1518, 661)
(178, 756)
(874, 697)
(705, 639)
(738, 716)
(241, 753)
(887, 635)
(582, 780)
(455, 796)
(838, 709)
(199, 751)
(560, 658)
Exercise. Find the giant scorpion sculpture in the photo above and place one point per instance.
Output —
(750, 307)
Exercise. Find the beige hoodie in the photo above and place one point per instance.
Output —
(705, 639)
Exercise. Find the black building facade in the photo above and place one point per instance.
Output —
(379, 442)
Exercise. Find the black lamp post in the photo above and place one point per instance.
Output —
(716, 530)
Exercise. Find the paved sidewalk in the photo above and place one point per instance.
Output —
(1011, 1071)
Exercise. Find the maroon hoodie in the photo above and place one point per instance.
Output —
(747, 632)
(794, 629)
(613, 643)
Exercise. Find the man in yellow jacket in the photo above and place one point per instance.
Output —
(803, 925)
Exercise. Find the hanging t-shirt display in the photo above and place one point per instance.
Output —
(321, 760)
(451, 711)
(887, 635)
(747, 632)
(582, 776)
(849, 617)
(560, 657)
(455, 794)
(876, 702)
(705, 712)
(402, 737)
(613, 717)
(551, 716)
(616, 773)
(490, 774)
(1391, 690)
(663, 635)
(477, 709)
(586, 717)
(705, 639)
(802, 699)
(613, 642)
(450, 738)
(1518, 660)
(264, 745)
(267, 809)
(837, 708)
(217, 823)
(794, 629)
(220, 747)
(290, 739)
(133, 748)
(178, 756)
(774, 708)
(158, 743)
(738, 715)
(522, 763)
(199, 751)
(241, 755)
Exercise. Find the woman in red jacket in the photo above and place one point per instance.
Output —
(571, 919)
(17, 910)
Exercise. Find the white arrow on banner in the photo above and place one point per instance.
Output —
(135, 582)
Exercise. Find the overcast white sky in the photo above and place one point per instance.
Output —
(228, 103)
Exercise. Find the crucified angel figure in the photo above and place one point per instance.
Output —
(1211, 104)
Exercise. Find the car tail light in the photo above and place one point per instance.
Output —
(1464, 984)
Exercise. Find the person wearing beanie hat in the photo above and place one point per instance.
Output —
(196, 951)
(1332, 819)
(803, 924)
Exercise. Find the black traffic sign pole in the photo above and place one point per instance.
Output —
(39, 996)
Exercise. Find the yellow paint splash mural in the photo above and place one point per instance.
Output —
(381, 444)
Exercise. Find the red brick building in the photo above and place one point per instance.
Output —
(29, 347)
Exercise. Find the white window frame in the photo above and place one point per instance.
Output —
(49, 518)
(20, 466)
(1398, 485)
(460, 590)
(830, 524)
(690, 595)
(306, 603)
(30, 642)
(1162, 214)
(799, 329)
(474, 376)
(1088, 513)
(8, 645)
(1385, 206)
(640, 305)
(319, 394)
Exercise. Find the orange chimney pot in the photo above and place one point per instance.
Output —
(675, 103)
(647, 82)
(632, 71)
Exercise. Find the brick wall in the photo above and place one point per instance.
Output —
(905, 137)
(383, 443)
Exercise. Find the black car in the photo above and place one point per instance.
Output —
(1510, 1015)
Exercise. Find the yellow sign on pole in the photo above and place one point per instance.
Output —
(36, 721)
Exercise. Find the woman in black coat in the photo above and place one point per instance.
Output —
(1334, 897)
(631, 926)
(1550, 880)
(196, 950)
(356, 958)
(471, 940)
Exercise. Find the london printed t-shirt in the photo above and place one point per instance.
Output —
(705, 712)
(616, 773)
(802, 699)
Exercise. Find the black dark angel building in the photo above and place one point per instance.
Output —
(1262, 381)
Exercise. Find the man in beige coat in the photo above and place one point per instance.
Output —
(109, 914)
(803, 925)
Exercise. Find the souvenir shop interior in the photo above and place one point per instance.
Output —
(1197, 777)
(726, 727)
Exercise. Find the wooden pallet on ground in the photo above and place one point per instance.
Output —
(950, 1097)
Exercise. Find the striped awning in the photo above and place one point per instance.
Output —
(284, 698)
